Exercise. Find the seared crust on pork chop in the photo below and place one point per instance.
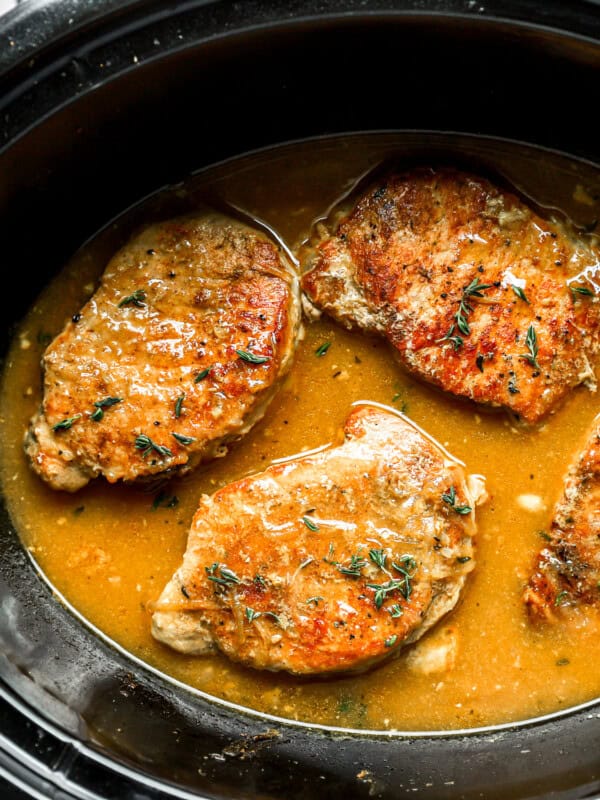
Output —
(477, 293)
(567, 570)
(177, 353)
(329, 562)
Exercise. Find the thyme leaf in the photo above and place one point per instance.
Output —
(179, 404)
(519, 292)
(322, 349)
(450, 498)
(251, 614)
(201, 375)
(137, 299)
(581, 290)
(185, 440)
(560, 598)
(145, 443)
(65, 424)
(250, 358)
(312, 526)
(391, 641)
(107, 402)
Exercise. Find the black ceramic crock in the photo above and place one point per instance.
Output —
(104, 101)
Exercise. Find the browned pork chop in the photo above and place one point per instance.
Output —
(477, 293)
(567, 570)
(328, 562)
(177, 353)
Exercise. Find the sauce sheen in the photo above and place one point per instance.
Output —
(110, 550)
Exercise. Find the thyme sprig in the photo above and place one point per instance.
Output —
(145, 443)
(532, 345)
(474, 289)
(353, 569)
(450, 498)
(382, 590)
(221, 574)
(406, 566)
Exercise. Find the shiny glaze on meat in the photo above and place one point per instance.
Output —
(567, 570)
(282, 568)
(162, 343)
(469, 285)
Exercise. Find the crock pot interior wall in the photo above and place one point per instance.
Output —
(73, 162)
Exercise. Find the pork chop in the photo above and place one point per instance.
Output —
(328, 562)
(567, 570)
(478, 294)
(177, 354)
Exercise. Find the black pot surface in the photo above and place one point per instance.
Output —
(102, 103)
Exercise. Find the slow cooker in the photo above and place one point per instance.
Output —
(101, 103)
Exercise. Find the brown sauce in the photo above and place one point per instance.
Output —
(109, 550)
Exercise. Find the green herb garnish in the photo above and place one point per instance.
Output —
(383, 589)
(312, 526)
(306, 562)
(102, 404)
(201, 375)
(560, 598)
(250, 358)
(456, 341)
(136, 299)
(179, 404)
(65, 424)
(474, 289)
(463, 559)
(378, 557)
(251, 614)
(322, 349)
(185, 440)
(355, 566)
(145, 443)
(395, 611)
(450, 498)
(520, 293)
(531, 342)
(582, 290)
(226, 577)
(314, 600)
(391, 641)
